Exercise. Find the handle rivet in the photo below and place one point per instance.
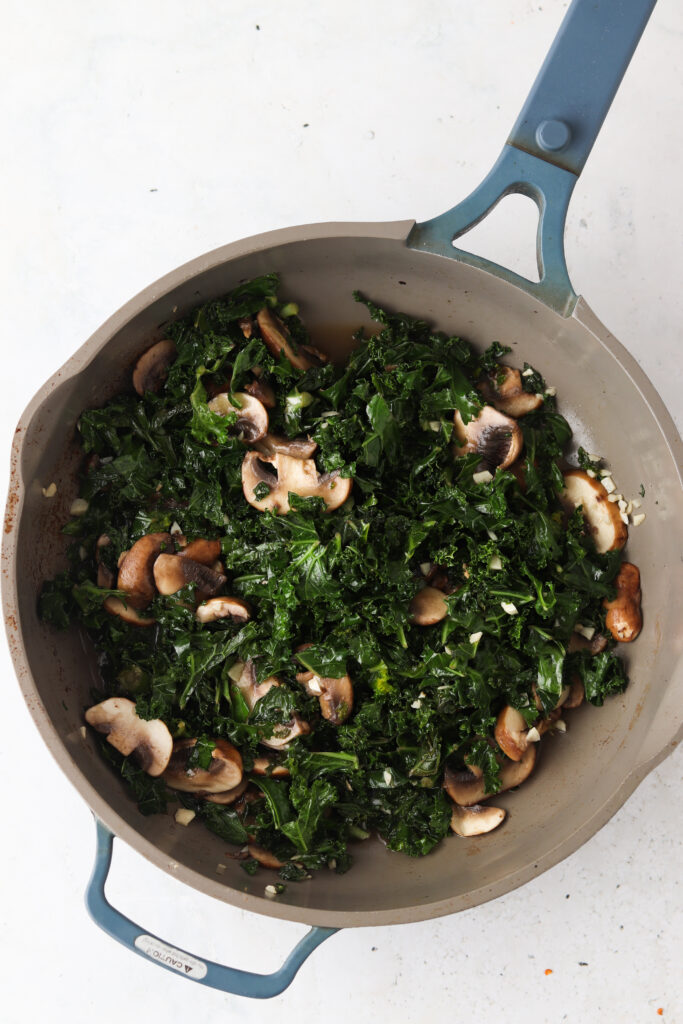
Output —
(553, 135)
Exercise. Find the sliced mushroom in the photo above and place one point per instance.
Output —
(466, 788)
(229, 796)
(503, 389)
(334, 695)
(624, 618)
(265, 858)
(224, 771)
(136, 575)
(251, 690)
(428, 607)
(284, 734)
(437, 576)
(246, 325)
(577, 642)
(105, 576)
(552, 723)
(476, 820)
(265, 766)
(152, 367)
(173, 572)
(265, 394)
(496, 437)
(224, 608)
(284, 474)
(564, 693)
(149, 742)
(602, 517)
(202, 550)
(252, 416)
(512, 733)
(298, 447)
(576, 693)
(517, 470)
(277, 339)
(115, 606)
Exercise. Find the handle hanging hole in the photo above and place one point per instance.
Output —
(507, 235)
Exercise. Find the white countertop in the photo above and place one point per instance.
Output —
(138, 135)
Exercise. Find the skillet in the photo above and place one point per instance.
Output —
(417, 269)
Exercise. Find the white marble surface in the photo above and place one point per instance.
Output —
(137, 135)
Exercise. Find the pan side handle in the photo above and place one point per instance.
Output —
(550, 142)
(204, 972)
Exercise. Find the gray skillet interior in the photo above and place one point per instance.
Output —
(582, 776)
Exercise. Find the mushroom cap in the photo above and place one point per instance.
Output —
(476, 820)
(624, 618)
(602, 517)
(428, 607)
(299, 476)
(223, 608)
(466, 789)
(496, 437)
(173, 572)
(149, 742)
(115, 606)
(252, 415)
(229, 796)
(334, 695)
(136, 570)
(265, 858)
(224, 771)
(503, 389)
(297, 447)
(202, 550)
(151, 368)
(277, 339)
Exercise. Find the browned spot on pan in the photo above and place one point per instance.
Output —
(11, 509)
(636, 715)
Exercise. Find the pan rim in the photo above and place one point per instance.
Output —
(76, 364)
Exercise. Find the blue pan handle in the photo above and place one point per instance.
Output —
(204, 972)
(550, 143)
